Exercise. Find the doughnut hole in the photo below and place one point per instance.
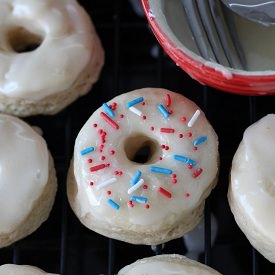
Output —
(21, 40)
(141, 149)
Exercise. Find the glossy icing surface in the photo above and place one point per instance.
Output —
(63, 52)
(167, 264)
(23, 171)
(21, 270)
(253, 175)
(183, 145)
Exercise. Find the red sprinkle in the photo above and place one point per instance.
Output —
(91, 183)
(109, 120)
(195, 148)
(122, 116)
(94, 125)
(152, 128)
(147, 206)
(100, 131)
(143, 103)
(103, 158)
(162, 146)
(130, 203)
(90, 160)
(180, 135)
(190, 166)
(183, 119)
(112, 152)
(144, 117)
(174, 181)
(167, 130)
(167, 148)
(160, 158)
(174, 175)
(168, 100)
(189, 134)
(145, 186)
(187, 194)
(170, 112)
(165, 192)
(97, 167)
(197, 173)
(109, 192)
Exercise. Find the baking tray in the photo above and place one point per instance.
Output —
(135, 60)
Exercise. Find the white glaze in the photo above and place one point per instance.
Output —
(257, 41)
(23, 171)
(167, 264)
(61, 57)
(253, 177)
(9, 269)
(162, 209)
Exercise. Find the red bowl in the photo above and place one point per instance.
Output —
(163, 16)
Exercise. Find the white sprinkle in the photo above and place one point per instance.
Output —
(106, 183)
(193, 119)
(135, 111)
(136, 186)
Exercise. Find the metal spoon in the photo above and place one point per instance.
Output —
(260, 11)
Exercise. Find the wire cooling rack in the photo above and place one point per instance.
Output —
(135, 60)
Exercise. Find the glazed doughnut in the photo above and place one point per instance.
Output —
(167, 264)
(251, 191)
(12, 269)
(27, 180)
(143, 165)
(50, 55)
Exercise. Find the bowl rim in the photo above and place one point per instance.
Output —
(223, 78)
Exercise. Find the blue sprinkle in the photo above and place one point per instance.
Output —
(134, 102)
(162, 109)
(161, 170)
(136, 178)
(139, 199)
(87, 150)
(108, 110)
(185, 160)
(113, 204)
(200, 140)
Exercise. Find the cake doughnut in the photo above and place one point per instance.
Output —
(50, 54)
(143, 166)
(27, 180)
(251, 192)
(167, 264)
(13, 269)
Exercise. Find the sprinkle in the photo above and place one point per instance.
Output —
(189, 134)
(97, 167)
(193, 119)
(87, 150)
(180, 135)
(90, 160)
(168, 100)
(121, 116)
(200, 140)
(185, 160)
(187, 194)
(109, 192)
(136, 186)
(112, 152)
(145, 186)
(144, 117)
(152, 128)
(147, 206)
(161, 170)
(108, 110)
(183, 119)
(130, 203)
(136, 178)
(165, 192)
(109, 120)
(106, 183)
(102, 157)
(139, 199)
(162, 109)
(113, 204)
(94, 125)
(91, 183)
(135, 111)
(197, 173)
(167, 130)
(167, 148)
(134, 102)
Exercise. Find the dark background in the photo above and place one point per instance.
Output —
(134, 60)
